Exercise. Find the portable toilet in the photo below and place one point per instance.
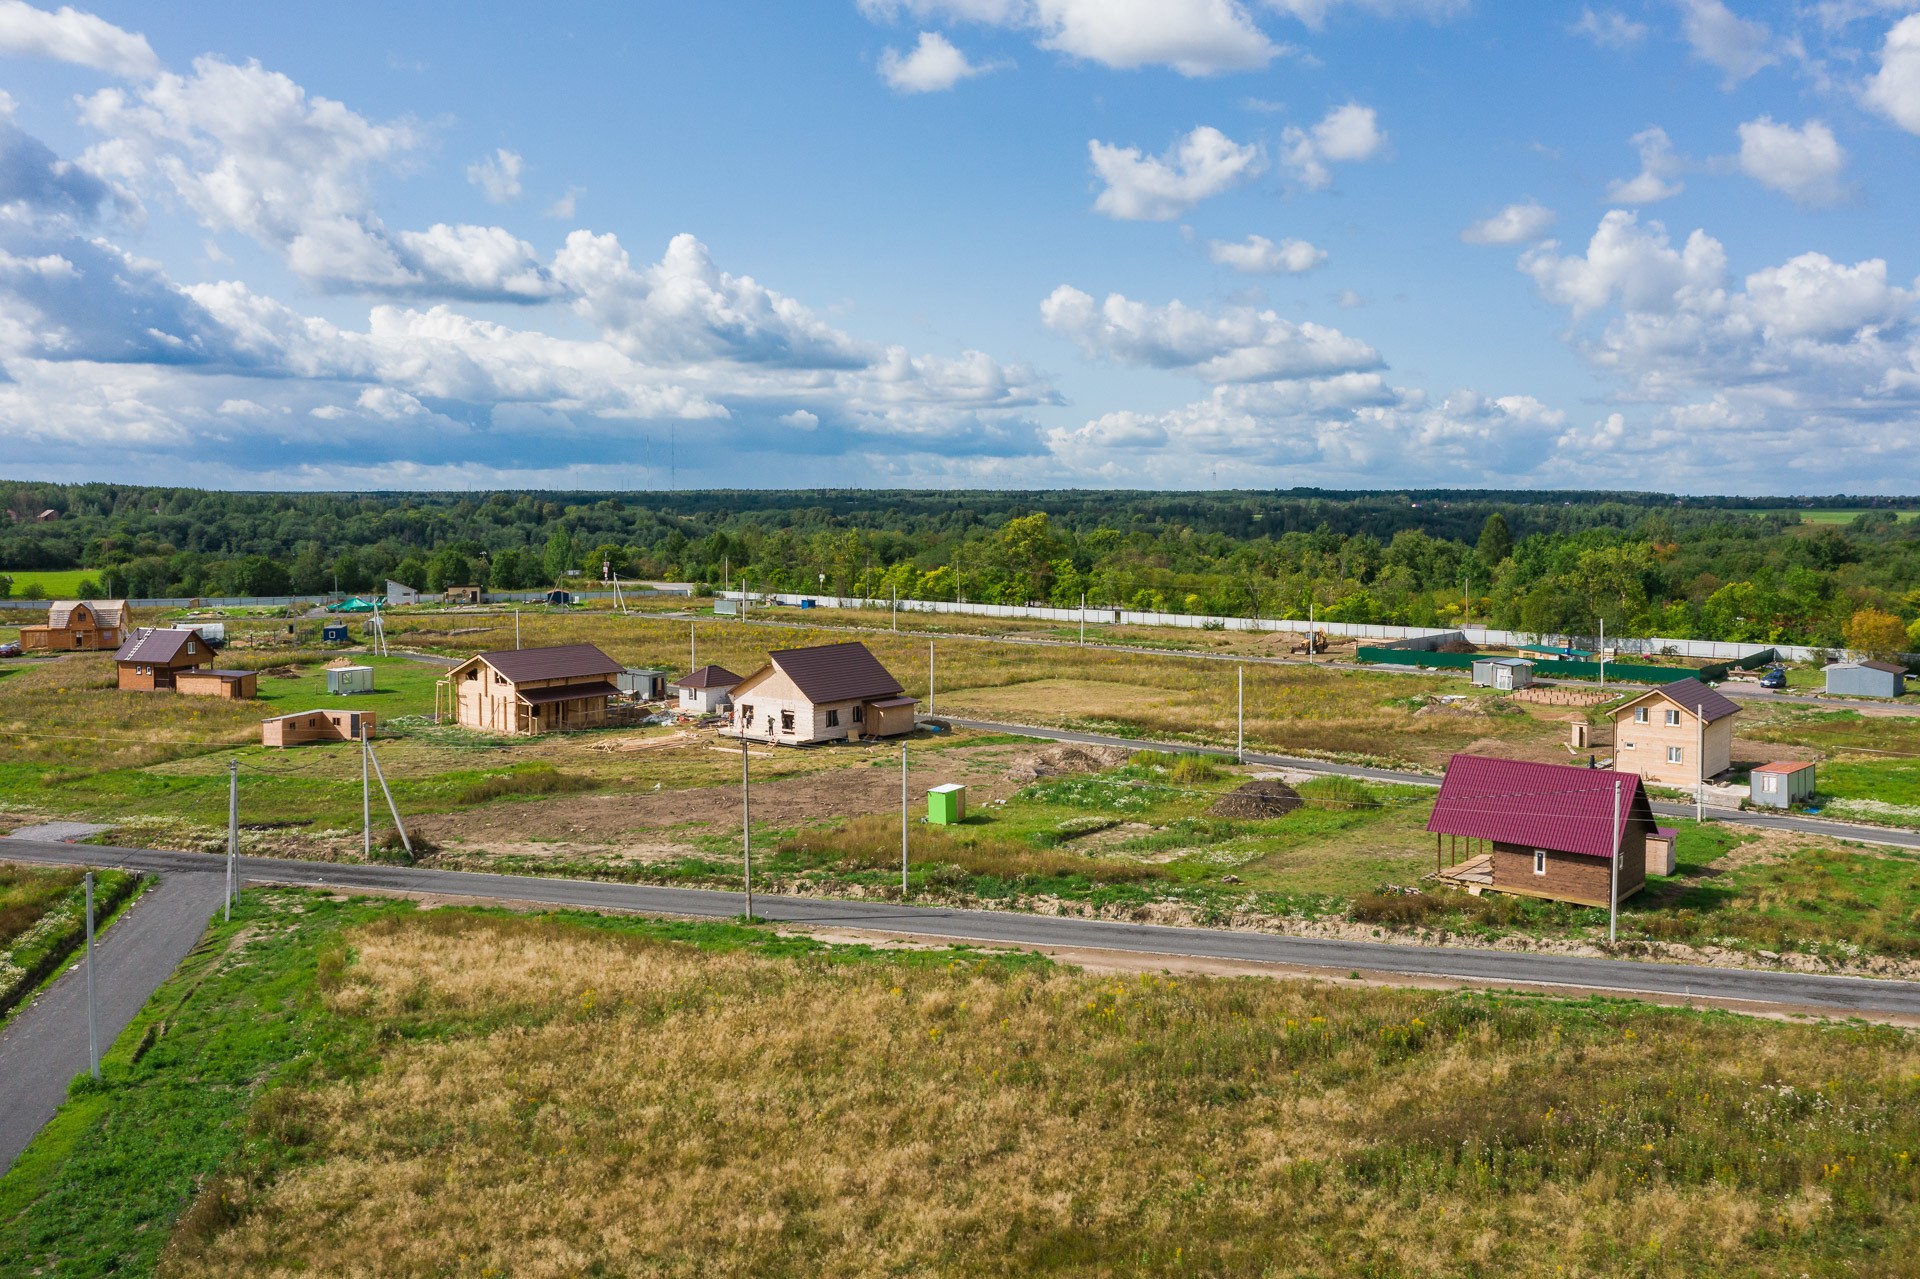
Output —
(335, 633)
(947, 805)
(349, 679)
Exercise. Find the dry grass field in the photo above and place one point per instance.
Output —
(550, 1098)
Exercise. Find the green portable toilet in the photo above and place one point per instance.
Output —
(947, 805)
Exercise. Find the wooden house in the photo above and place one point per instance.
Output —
(706, 690)
(1541, 830)
(534, 690)
(309, 727)
(80, 626)
(153, 657)
(235, 686)
(462, 595)
(1675, 735)
(832, 692)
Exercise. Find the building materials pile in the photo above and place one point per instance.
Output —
(1067, 758)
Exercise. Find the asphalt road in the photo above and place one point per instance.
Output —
(1814, 993)
(1881, 835)
(45, 1045)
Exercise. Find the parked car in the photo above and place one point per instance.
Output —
(1774, 678)
(10, 649)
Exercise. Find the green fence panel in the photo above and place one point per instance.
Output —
(1568, 669)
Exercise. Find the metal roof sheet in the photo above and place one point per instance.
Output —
(1784, 766)
(561, 661)
(888, 703)
(164, 646)
(709, 677)
(1694, 696)
(836, 672)
(1554, 806)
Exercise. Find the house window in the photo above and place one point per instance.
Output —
(833, 719)
(191, 648)
(1673, 755)
(859, 714)
(786, 721)
(1673, 719)
(1770, 783)
(1539, 861)
(1639, 714)
(746, 717)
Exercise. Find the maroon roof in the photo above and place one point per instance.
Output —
(709, 677)
(1553, 806)
(1783, 766)
(1694, 695)
(562, 661)
(1886, 667)
(164, 646)
(567, 693)
(836, 672)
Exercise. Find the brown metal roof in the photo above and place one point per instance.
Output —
(1695, 696)
(562, 661)
(889, 703)
(567, 693)
(164, 646)
(1887, 667)
(709, 677)
(836, 672)
(1784, 766)
(1552, 806)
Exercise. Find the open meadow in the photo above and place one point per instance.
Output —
(338, 1087)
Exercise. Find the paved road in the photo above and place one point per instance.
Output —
(45, 1045)
(1829, 995)
(1880, 835)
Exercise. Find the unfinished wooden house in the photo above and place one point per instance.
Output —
(1676, 735)
(1541, 830)
(832, 692)
(79, 626)
(534, 690)
(154, 657)
(309, 727)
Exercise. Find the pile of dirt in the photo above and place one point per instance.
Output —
(1454, 707)
(1458, 646)
(280, 672)
(1258, 800)
(1067, 758)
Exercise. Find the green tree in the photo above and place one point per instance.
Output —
(560, 557)
(1875, 631)
(448, 568)
(411, 572)
(1496, 542)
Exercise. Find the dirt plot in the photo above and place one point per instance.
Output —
(866, 785)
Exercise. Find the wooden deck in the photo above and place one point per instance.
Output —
(1473, 874)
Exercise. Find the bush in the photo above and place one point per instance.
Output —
(538, 779)
(1385, 907)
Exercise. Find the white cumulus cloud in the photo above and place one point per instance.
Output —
(1515, 224)
(1146, 188)
(497, 175)
(1738, 46)
(1804, 163)
(1193, 37)
(1257, 255)
(70, 35)
(1346, 134)
(1659, 170)
(1894, 90)
(1235, 344)
(931, 66)
(1609, 28)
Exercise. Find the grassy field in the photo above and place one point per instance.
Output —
(1839, 517)
(55, 584)
(43, 921)
(344, 1088)
(27, 893)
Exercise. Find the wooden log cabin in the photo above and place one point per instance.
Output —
(79, 626)
(534, 690)
(308, 727)
(153, 658)
(1541, 830)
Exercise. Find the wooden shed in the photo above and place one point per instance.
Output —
(1541, 830)
(80, 626)
(309, 727)
(831, 692)
(153, 658)
(534, 690)
(235, 686)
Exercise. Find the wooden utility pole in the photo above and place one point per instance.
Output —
(1613, 879)
(1240, 733)
(903, 821)
(233, 830)
(93, 1030)
(746, 824)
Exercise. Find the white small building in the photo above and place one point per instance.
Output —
(349, 679)
(1503, 673)
(707, 691)
(401, 593)
(1781, 784)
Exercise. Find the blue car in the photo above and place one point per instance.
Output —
(1774, 678)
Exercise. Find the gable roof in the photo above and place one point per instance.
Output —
(1783, 766)
(709, 677)
(163, 646)
(836, 672)
(1692, 695)
(1555, 806)
(1885, 667)
(105, 612)
(561, 661)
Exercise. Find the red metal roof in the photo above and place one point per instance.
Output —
(1784, 766)
(1551, 806)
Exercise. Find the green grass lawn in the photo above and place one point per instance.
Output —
(1838, 516)
(56, 584)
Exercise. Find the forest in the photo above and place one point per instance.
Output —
(1834, 571)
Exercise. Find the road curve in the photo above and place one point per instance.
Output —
(45, 1045)
(1813, 992)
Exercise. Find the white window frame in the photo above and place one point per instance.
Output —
(1676, 755)
(1639, 714)
(1673, 719)
(1539, 861)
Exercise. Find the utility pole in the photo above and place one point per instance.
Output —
(366, 798)
(93, 1031)
(896, 608)
(726, 573)
(1700, 787)
(1602, 654)
(929, 677)
(1083, 619)
(1613, 877)
(903, 821)
(1466, 599)
(746, 824)
(233, 829)
(693, 650)
(1240, 734)
(516, 630)
(1310, 630)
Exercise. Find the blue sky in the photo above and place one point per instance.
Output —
(1165, 243)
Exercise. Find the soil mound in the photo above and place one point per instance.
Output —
(1067, 758)
(1262, 798)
